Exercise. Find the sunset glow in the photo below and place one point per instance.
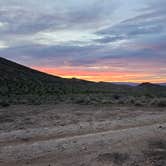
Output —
(109, 40)
(102, 76)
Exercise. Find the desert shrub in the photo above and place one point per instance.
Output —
(79, 101)
(131, 100)
(116, 157)
(121, 101)
(149, 95)
(144, 99)
(154, 102)
(105, 101)
(82, 100)
(34, 100)
(4, 104)
(158, 102)
(138, 103)
(161, 103)
(116, 97)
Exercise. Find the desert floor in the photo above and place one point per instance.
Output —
(82, 135)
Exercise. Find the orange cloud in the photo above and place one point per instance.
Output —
(107, 76)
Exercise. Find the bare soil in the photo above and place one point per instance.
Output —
(82, 135)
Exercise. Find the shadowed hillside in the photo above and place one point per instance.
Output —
(20, 84)
(18, 79)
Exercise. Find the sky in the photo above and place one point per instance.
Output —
(97, 40)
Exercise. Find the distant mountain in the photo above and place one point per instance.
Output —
(126, 83)
(136, 84)
(162, 84)
(148, 84)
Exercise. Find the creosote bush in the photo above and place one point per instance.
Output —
(4, 104)
(161, 103)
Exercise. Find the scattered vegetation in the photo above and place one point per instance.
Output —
(4, 104)
(116, 158)
(156, 155)
(22, 85)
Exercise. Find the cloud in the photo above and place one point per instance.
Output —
(109, 39)
(107, 35)
(71, 37)
(3, 45)
(132, 28)
(147, 24)
(31, 17)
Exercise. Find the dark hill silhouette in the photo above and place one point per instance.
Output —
(30, 81)
(148, 84)
(16, 79)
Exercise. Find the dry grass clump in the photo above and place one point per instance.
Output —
(158, 102)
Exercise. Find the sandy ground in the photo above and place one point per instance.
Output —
(79, 135)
